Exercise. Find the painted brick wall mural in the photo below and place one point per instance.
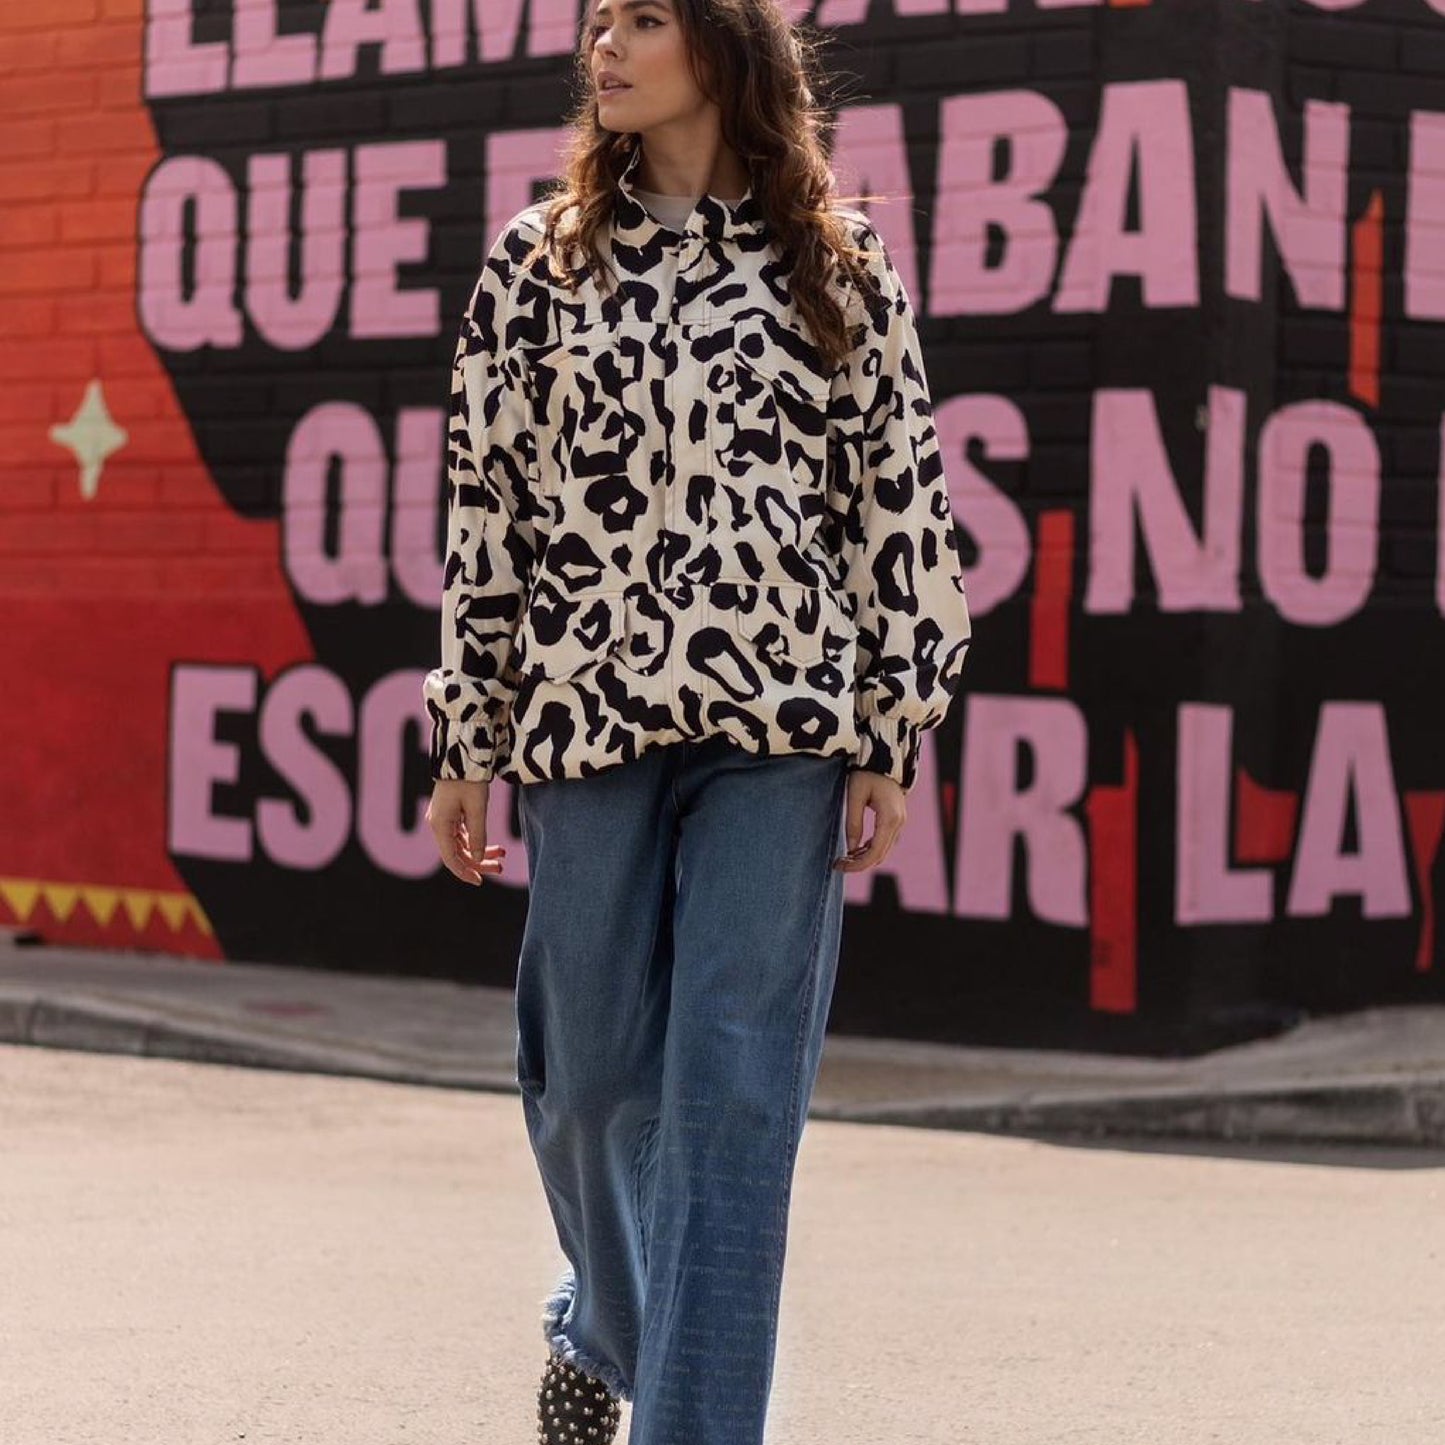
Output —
(1180, 274)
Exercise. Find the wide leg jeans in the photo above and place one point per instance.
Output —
(675, 975)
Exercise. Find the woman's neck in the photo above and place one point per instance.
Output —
(724, 177)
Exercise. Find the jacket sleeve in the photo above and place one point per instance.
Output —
(889, 508)
(491, 540)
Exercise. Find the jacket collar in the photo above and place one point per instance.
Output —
(712, 218)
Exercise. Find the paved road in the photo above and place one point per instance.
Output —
(194, 1254)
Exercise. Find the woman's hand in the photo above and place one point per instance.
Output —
(887, 800)
(458, 817)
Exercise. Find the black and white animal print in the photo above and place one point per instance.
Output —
(669, 519)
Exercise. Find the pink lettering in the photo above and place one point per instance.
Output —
(993, 521)
(1308, 224)
(357, 573)
(287, 322)
(393, 715)
(174, 63)
(394, 25)
(996, 811)
(384, 239)
(1353, 481)
(834, 14)
(1425, 218)
(869, 154)
(1143, 124)
(263, 55)
(199, 760)
(971, 201)
(1207, 889)
(415, 559)
(516, 160)
(1350, 770)
(1131, 477)
(497, 26)
(309, 844)
(172, 319)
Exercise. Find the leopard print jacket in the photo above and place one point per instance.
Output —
(667, 519)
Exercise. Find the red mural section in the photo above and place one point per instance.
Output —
(117, 553)
(1180, 285)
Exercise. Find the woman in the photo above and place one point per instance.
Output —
(702, 597)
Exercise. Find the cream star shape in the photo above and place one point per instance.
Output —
(91, 436)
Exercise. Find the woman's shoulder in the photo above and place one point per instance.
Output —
(526, 247)
(520, 233)
(863, 235)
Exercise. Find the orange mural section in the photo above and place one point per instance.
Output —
(117, 554)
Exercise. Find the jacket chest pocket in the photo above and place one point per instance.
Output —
(586, 395)
(771, 423)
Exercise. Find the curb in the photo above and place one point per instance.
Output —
(1384, 1110)
(1409, 1113)
(93, 1027)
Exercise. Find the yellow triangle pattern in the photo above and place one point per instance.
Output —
(62, 898)
(138, 904)
(174, 907)
(102, 902)
(21, 895)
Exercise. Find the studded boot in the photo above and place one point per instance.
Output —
(574, 1408)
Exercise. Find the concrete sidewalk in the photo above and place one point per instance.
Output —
(1377, 1076)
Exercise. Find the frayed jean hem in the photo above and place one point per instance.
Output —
(554, 1311)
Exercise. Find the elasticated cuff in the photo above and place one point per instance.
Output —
(888, 746)
(460, 750)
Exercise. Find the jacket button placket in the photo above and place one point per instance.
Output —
(692, 455)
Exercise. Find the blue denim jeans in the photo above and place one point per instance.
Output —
(674, 982)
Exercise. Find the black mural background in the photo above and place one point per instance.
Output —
(907, 972)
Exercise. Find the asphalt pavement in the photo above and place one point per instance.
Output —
(193, 1254)
(1372, 1077)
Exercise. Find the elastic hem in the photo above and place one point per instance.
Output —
(554, 1311)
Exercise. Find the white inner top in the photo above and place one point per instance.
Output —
(672, 211)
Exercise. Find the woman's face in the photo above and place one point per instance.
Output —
(641, 43)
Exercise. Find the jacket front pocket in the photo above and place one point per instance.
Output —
(798, 627)
(585, 393)
(771, 435)
(560, 636)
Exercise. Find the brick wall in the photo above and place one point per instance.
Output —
(1177, 269)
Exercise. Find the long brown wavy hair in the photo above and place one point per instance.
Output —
(761, 71)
